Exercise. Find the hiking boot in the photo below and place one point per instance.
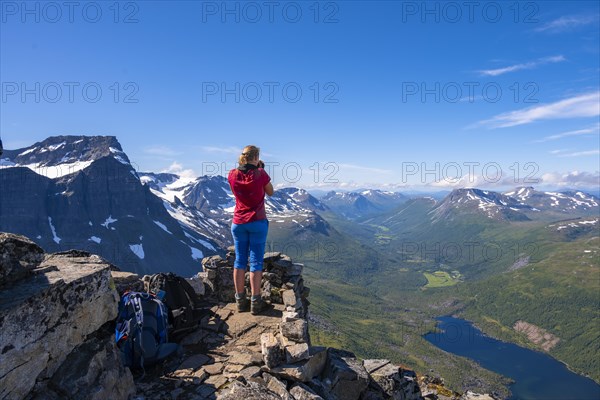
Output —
(258, 306)
(243, 304)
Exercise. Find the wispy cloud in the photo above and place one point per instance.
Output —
(163, 151)
(586, 131)
(558, 151)
(226, 150)
(584, 105)
(518, 67)
(365, 169)
(474, 180)
(565, 23)
(585, 153)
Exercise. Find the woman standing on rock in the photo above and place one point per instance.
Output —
(249, 182)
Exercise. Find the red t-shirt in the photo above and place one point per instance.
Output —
(248, 186)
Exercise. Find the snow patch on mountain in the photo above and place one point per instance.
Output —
(28, 151)
(55, 237)
(163, 227)
(6, 163)
(168, 191)
(52, 147)
(575, 224)
(56, 171)
(95, 239)
(138, 250)
(109, 220)
(196, 254)
(118, 155)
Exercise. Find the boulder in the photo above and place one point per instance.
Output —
(93, 370)
(277, 386)
(303, 392)
(349, 379)
(388, 378)
(271, 256)
(409, 385)
(127, 281)
(296, 352)
(296, 330)
(271, 350)
(469, 395)
(252, 391)
(374, 364)
(18, 257)
(43, 318)
(305, 370)
(289, 298)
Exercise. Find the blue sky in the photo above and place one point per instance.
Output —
(337, 94)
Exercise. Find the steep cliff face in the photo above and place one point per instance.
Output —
(78, 192)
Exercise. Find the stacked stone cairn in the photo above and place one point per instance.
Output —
(282, 281)
(291, 368)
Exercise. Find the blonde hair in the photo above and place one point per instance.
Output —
(250, 152)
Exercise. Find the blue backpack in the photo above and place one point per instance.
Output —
(141, 332)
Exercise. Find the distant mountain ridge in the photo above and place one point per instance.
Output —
(353, 205)
(71, 176)
(521, 204)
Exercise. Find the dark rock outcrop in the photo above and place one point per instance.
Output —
(48, 325)
(18, 257)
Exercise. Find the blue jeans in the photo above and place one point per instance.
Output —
(250, 238)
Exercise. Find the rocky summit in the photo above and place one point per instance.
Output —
(57, 315)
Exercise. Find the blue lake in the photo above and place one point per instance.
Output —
(537, 376)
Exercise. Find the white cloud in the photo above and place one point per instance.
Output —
(177, 169)
(581, 153)
(566, 22)
(469, 180)
(574, 179)
(586, 131)
(571, 179)
(584, 105)
(518, 67)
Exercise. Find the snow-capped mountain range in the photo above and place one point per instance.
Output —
(208, 202)
(521, 204)
(83, 192)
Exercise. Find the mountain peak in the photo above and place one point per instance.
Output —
(494, 205)
(66, 154)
